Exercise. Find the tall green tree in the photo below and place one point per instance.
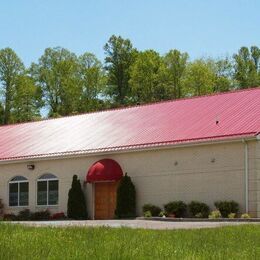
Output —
(92, 82)
(11, 67)
(199, 78)
(57, 75)
(255, 54)
(1, 113)
(247, 71)
(149, 79)
(176, 63)
(224, 75)
(223, 70)
(120, 55)
(27, 100)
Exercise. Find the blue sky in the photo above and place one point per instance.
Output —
(200, 27)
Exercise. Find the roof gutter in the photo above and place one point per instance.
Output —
(130, 150)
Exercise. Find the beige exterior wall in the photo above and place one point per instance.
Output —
(254, 178)
(206, 173)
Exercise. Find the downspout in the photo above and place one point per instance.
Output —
(246, 172)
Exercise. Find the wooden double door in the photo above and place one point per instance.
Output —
(105, 199)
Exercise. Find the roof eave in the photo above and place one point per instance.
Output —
(146, 147)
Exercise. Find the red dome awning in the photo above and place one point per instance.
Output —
(104, 170)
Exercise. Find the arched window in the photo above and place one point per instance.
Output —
(18, 191)
(47, 190)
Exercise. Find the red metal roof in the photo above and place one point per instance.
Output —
(104, 170)
(164, 123)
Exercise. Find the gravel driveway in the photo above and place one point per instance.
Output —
(148, 224)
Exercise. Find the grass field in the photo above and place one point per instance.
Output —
(237, 242)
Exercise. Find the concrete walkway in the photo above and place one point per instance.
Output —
(147, 224)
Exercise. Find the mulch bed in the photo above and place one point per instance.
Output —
(201, 219)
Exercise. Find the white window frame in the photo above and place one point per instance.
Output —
(18, 201)
(47, 180)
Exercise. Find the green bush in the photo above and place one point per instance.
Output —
(58, 216)
(9, 217)
(147, 214)
(215, 214)
(176, 208)
(41, 215)
(162, 214)
(199, 215)
(126, 201)
(198, 209)
(77, 208)
(155, 211)
(24, 215)
(245, 215)
(1, 207)
(227, 207)
(232, 215)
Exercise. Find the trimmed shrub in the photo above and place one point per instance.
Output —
(198, 209)
(41, 215)
(126, 198)
(215, 214)
(227, 207)
(147, 214)
(232, 215)
(245, 215)
(58, 216)
(77, 208)
(162, 214)
(1, 208)
(9, 217)
(24, 215)
(199, 215)
(176, 208)
(155, 211)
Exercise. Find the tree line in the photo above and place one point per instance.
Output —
(65, 84)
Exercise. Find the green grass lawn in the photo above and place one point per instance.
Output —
(239, 242)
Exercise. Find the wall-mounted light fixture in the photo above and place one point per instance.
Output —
(30, 167)
(175, 163)
(213, 160)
